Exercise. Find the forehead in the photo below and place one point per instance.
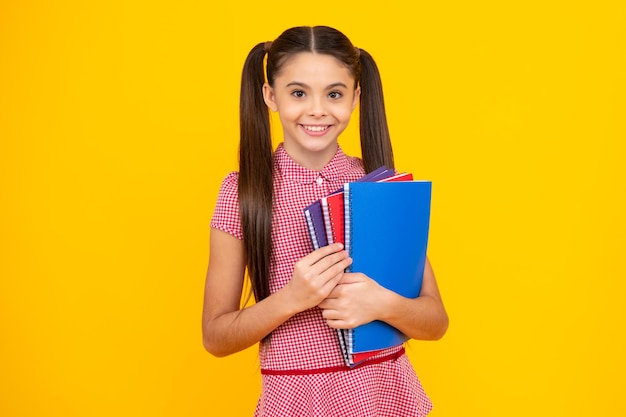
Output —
(314, 66)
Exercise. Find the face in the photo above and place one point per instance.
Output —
(314, 95)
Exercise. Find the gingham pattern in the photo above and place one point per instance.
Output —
(305, 342)
(388, 389)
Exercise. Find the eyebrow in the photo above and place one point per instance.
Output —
(328, 87)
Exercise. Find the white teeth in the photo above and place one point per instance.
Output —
(315, 128)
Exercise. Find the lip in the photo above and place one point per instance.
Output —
(319, 130)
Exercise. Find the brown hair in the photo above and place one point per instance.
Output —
(255, 145)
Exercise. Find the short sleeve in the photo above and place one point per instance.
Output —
(226, 214)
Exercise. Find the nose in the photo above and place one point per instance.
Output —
(317, 106)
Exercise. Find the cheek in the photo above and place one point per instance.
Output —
(345, 113)
(288, 114)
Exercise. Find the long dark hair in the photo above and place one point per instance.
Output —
(255, 145)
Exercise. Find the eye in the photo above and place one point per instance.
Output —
(335, 95)
(298, 93)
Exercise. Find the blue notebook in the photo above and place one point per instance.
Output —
(386, 227)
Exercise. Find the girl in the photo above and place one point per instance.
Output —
(315, 79)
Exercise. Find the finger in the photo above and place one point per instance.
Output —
(337, 260)
(330, 282)
(315, 264)
(328, 304)
(337, 291)
(333, 275)
(353, 277)
(330, 314)
(339, 324)
(323, 252)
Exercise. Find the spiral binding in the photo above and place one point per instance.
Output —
(348, 334)
(309, 223)
(347, 235)
(327, 223)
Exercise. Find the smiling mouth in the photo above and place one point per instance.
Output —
(315, 129)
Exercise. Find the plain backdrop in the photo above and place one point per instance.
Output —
(119, 119)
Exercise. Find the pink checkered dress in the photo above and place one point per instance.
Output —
(302, 367)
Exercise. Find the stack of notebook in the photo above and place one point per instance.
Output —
(383, 221)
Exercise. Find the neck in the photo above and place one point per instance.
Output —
(313, 160)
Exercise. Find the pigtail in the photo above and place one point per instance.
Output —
(255, 172)
(375, 140)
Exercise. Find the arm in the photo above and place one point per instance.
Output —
(358, 300)
(226, 328)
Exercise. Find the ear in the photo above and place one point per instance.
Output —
(357, 96)
(269, 97)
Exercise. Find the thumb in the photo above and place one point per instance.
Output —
(352, 277)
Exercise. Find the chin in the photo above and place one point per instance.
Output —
(321, 147)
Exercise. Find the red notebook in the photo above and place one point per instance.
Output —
(332, 209)
(405, 176)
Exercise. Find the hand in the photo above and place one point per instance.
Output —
(315, 276)
(356, 300)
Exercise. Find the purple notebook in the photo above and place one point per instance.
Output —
(315, 224)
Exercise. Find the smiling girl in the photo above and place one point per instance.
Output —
(315, 79)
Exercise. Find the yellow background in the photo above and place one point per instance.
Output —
(118, 121)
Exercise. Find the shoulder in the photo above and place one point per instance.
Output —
(229, 191)
(226, 213)
(231, 179)
(354, 162)
(354, 168)
(230, 184)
